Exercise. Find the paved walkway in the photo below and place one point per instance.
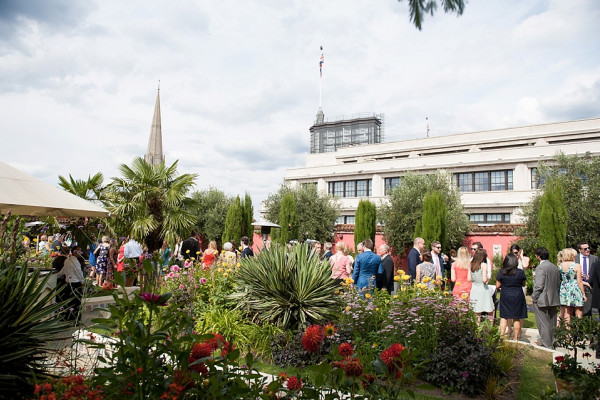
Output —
(531, 337)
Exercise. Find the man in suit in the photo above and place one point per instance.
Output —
(588, 264)
(246, 250)
(190, 248)
(366, 267)
(328, 253)
(386, 280)
(414, 257)
(545, 296)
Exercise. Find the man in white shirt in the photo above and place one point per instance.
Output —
(588, 264)
(74, 278)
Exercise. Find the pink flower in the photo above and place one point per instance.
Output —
(152, 298)
(175, 268)
(181, 287)
(202, 280)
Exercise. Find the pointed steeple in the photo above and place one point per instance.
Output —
(154, 155)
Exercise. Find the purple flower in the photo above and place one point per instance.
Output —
(80, 227)
(152, 298)
(465, 375)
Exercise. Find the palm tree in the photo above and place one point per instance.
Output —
(418, 8)
(90, 190)
(150, 202)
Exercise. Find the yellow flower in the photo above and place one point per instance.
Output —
(464, 295)
(228, 269)
(426, 279)
(439, 277)
(197, 252)
(336, 291)
(405, 277)
(374, 345)
(220, 270)
(205, 382)
(446, 293)
(395, 296)
(396, 278)
(35, 239)
(238, 264)
(368, 296)
(225, 274)
(348, 308)
(187, 252)
(403, 288)
(240, 248)
(376, 308)
(401, 272)
(349, 280)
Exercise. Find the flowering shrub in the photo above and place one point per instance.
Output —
(68, 387)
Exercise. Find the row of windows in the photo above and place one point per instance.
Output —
(356, 188)
(345, 219)
(484, 181)
(490, 218)
(391, 183)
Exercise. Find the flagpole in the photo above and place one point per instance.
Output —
(321, 61)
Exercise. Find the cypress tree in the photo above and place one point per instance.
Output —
(365, 222)
(288, 219)
(552, 220)
(248, 214)
(432, 225)
(233, 222)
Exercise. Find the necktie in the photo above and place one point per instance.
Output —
(585, 265)
(437, 265)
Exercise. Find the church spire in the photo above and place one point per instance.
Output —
(154, 155)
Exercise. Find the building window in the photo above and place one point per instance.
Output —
(345, 219)
(497, 218)
(484, 181)
(357, 188)
(391, 183)
(535, 179)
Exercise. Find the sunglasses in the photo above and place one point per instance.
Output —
(585, 248)
(473, 248)
(437, 247)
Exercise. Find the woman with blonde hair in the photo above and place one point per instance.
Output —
(210, 254)
(572, 294)
(460, 274)
(341, 268)
(101, 253)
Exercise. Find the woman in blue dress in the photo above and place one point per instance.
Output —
(510, 279)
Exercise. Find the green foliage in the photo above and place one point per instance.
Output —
(432, 225)
(290, 289)
(150, 203)
(316, 212)
(29, 319)
(365, 222)
(247, 227)
(234, 221)
(288, 220)
(211, 208)
(577, 178)
(405, 208)
(417, 9)
(552, 220)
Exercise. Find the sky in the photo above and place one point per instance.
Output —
(239, 80)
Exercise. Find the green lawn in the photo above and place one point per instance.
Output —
(536, 374)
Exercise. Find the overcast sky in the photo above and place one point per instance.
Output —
(240, 79)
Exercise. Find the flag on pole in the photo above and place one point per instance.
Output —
(321, 64)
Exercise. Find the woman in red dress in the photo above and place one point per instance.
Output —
(460, 274)
(210, 254)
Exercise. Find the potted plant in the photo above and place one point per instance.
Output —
(580, 333)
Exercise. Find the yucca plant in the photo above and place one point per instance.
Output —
(290, 288)
(28, 320)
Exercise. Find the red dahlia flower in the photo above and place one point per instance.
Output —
(293, 383)
(352, 367)
(392, 358)
(312, 338)
(215, 341)
(345, 349)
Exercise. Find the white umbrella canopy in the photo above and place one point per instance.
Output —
(26, 195)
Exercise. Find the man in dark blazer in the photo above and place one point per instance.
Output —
(545, 296)
(414, 257)
(588, 264)
(190, 248)
(246, 251)
(386, 280)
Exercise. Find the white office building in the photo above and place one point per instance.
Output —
(495, 170)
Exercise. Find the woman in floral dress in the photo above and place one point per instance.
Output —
(101, 260)
(572, 294)
(426, 269)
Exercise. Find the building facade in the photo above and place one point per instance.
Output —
(496, 170)
(330, 135)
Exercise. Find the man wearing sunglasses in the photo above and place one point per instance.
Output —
(589, 265)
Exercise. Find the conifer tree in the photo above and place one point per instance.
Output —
(365, 222)
(552, 220)
(288, 219)
(432, 225)
(233, 222)
(248, 213)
